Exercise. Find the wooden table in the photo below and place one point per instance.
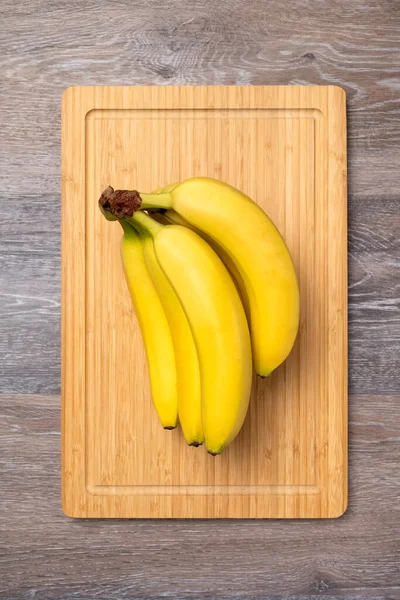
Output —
(47, 45)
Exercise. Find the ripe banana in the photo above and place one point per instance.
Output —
(186, 359)
(218, 324)
(154, 327)
(172, 216)
(253, 243)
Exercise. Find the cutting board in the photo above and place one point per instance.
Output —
(286, 148)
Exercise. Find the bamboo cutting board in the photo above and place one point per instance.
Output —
(286, 148)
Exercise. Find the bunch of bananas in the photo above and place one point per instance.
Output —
(215, 291)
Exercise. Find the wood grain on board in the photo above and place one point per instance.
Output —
(286, 148)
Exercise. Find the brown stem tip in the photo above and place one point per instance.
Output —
(120, 203)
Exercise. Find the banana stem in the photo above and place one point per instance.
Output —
(138, 228)
(162, 200)
(147, 223)
(129, 228)
(124, 203)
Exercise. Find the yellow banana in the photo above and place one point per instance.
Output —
(154, 327)
(172, 216)
(218, 324)
(257, 249)
(186, 360)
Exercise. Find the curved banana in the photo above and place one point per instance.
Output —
(186, 359)
(154, 327)
(171, 216)
(218, 323)
(251, 240)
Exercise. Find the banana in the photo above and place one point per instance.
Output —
(249, 237)
(187, 362)
(218, 324)
(154, 327)
(172, 216)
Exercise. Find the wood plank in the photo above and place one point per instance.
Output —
(247, 45)
(46, 554)
(30, 294)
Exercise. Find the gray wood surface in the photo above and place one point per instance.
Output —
(47, 45)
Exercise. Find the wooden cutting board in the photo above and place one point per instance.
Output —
(286, 148)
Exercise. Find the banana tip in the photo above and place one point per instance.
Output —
(264, 376)
(213, 453)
